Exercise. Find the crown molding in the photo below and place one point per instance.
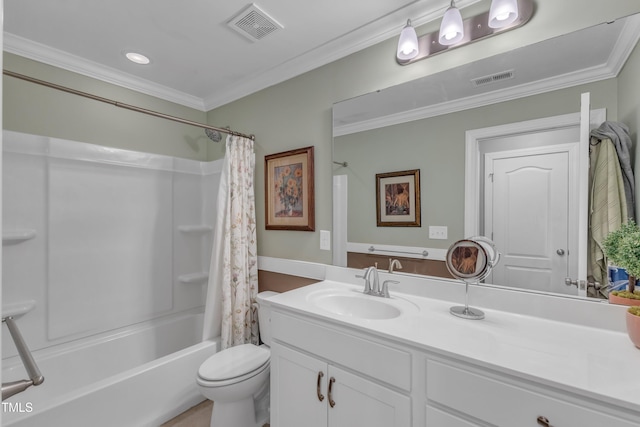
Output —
(629, 36)
(495, 97)
(389, 26)
(421, 12)
(60, 59)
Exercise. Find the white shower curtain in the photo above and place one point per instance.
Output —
(233, 274)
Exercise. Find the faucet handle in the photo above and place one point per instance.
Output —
(385, 288)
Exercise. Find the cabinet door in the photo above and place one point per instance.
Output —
(360, 402)
(503, 404)
(295, 399)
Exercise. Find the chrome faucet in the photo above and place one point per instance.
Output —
(372, 285)
(394, 263)
(369, 288)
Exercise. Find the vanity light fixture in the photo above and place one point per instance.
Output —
(408, 43)
(138, 58)
(451, 28)
(503, 15)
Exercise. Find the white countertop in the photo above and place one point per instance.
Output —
(591, 361)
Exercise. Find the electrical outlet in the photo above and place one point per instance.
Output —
(325, 240)
(438, 232)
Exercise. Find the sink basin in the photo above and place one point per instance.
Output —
(358, 305)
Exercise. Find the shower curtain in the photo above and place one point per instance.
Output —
(233, 274)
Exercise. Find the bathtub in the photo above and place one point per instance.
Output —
(141, 375)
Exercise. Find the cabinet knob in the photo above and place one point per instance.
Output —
(320, 395)
(543, 421)
(332, 403)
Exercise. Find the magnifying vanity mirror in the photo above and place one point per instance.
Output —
(471, 260)
(472, 115)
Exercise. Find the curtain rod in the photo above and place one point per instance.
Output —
(123, 105)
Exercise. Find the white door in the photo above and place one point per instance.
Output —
(474, 182)
(528, 215)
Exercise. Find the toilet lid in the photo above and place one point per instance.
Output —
(234, 362)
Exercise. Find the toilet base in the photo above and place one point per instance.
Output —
(239, 413)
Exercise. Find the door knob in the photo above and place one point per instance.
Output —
(580, 284)
(560, 252)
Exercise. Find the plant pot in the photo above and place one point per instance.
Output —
(633, 328)
(614, 299)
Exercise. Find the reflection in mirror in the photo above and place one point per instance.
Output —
(424, 124)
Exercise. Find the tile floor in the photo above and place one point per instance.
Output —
(198, 416)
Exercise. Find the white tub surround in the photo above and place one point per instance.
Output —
(107, 251)
(433, 369)
(101, 238)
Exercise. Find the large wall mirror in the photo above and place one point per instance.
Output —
(427, 125)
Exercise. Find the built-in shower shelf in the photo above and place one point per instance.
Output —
(193, 278)
(194, 229)
(17, 235)
(17, 309)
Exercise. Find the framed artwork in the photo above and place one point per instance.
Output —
(398, 199)
(289, 191)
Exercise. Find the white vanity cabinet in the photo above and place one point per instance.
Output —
(331, 378)
(459, 395)
(298, 390)
(429, 369)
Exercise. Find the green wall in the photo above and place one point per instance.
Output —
(292, 114)
(629, 102)
(36, 109)
(297, 113)
(436, 146)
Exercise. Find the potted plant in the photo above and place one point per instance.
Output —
(633, 325)
(622, 248)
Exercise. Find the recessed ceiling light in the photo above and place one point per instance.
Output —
(138, 58)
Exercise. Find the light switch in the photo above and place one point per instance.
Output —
(325, 240)
(438, 232)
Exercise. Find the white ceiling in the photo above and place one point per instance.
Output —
(197, 60)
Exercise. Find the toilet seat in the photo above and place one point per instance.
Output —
(234, 365)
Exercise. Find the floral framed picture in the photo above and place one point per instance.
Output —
(398, 199)
(289, 190)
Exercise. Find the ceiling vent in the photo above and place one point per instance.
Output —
(493, 78)
(254, 23)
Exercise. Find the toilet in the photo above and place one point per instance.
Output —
(237, 378)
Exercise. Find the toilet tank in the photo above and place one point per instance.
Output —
(264, 315)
